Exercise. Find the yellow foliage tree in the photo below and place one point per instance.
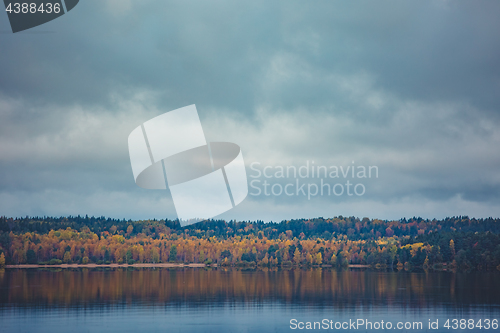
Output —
(265, 260)
(319, 258)
(285, 255)
(67, 257)
(296, 256)
(452, 248)
(333, 260)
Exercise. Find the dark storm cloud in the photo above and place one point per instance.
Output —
(217, 52)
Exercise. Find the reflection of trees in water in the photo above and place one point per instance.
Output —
(196, 286)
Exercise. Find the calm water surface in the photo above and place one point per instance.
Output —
(218, 300)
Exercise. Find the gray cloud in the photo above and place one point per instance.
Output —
(408, 86)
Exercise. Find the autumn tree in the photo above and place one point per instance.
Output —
(285, 255)
(297, 257)
(319, 258)
(155, 256)
(67, 257)
(452, 249)
(265, 260)
(333, 259)
(130, 229)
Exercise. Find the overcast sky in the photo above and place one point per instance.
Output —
(410, 87)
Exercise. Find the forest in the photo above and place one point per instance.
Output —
(458, 243)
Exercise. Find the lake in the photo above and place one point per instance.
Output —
(231, 300)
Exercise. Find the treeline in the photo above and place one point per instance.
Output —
(353, 227)
(458, 242)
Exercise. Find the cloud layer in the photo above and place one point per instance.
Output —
(409, 87)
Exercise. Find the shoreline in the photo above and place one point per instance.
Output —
(358, 266)
(142, 265)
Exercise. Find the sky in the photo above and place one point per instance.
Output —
(410, 87)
